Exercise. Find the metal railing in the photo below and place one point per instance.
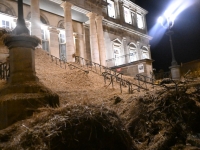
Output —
(63, 64)
(114, 76)
(4, 71)
(94, 67)
(124, 59)
(143, 80)
(122, 82)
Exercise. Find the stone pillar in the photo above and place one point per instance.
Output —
(101, 41)
(149, 51)
(35, 19)
(22, 58)
(54, 42)
(87, 48)
(139, 51)
(79, 45)
(24, 94)
(126, 58)
(93, 38)
(68, 31)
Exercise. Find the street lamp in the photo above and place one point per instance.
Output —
(167, 21)
(21, 25)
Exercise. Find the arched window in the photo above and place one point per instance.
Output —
(145, 53)
(61, 24)
(6, 21)
(5, 8)
(43, 18)
(133, 52)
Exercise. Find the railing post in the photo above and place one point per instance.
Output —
(121, 85)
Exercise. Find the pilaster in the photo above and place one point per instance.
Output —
(139, 51)
(125, 50)
(54, 42)
(93, 38)
(101, 41)
(68, 31)
(79, 45)
(35, 19)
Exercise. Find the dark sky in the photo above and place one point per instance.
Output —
(186, 37)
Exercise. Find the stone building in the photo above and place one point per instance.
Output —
(112, 33)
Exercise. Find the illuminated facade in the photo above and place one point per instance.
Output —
(112, 33)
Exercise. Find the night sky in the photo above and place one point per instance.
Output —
(186, 37)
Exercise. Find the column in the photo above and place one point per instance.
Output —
(126, 58)
(79, 45)
(139, 51)
(68, 31)
(101, 41)
(54, 42)
(149, 51)
(35, 19)
(93, 38)
(86, 33)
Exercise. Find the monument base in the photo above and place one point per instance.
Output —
(19, 101)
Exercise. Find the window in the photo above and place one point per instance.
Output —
(116, 56)
(117, 49)
(45, 42)
(127, 15)
(132, 52)
(5, 24)
(145, 54)
(140, 22)
(62, 45)
(111, 8)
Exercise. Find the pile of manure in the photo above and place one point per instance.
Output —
(167, 120)
(70, 127)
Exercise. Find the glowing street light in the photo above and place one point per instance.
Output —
(167, 21)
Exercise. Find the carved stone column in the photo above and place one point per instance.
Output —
(35, 19)
(54, 42)
(68, 31)
(93, 38)
(101, 41)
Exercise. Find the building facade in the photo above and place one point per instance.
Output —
(112, 33)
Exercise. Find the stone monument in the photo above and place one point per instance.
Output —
(23, 93)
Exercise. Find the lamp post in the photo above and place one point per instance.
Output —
(21, 25)
(168, 22)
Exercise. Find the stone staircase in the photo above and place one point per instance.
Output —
(141, 81)
(110, 76)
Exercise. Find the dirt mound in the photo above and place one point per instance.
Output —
(167, 119)
(71, 127)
